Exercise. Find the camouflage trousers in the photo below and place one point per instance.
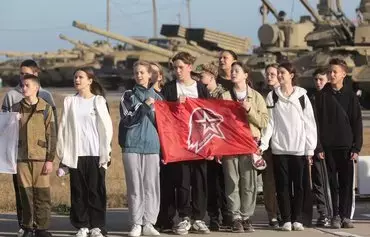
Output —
(34, 191)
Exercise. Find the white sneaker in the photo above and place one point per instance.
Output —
(135, 231)
(20, 232)
(83, 232)
(287, 226)
(200, 227)
(96, 232)
(149, 230)
(183, 227)
(298, 226)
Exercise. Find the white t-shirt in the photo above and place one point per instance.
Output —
(241, 95)
(188, 91)
(87, 130)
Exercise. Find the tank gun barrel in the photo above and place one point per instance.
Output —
(315, 15)
(81, 45)
(121, 38)
(271, 8)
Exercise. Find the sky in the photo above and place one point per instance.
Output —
(34, 26)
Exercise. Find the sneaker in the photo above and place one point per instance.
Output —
(135, 231)
(214, 225)
(274, 223)
(287, 226)
(83, 232)
(27, 233)
(149, 230)
(96, 232)
(20, 232)
(183, 227)
(42, 233)
(322, 221)
(247, 225)
(298, 226)
(347, 223)
(200, 227)
(335, 222)
(237, 226)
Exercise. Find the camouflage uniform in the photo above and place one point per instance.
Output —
(36, 145)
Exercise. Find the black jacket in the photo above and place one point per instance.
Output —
(169, 91)
(339, 119)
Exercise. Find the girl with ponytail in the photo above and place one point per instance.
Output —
(84, 147)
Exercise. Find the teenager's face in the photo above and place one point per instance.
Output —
(26, 70)
(237, 74)
(284, 76)
(142, 76)
(271, 77)
(82, 81)
(207, 78)
(336, 74)
(320, 81)
(156, 76)
(182, 70)
(225, 61)
(29, 88)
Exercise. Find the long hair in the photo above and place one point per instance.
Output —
(95, 87)
(161, 73)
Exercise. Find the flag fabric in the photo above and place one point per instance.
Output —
(198, 129)
(9, 134)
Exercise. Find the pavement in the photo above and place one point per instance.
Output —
(118, 225)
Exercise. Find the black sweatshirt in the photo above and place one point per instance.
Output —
(339, 118)
(169, 91)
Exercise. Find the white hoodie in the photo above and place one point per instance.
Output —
(292, 130)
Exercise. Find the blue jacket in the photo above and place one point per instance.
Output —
(137, 129)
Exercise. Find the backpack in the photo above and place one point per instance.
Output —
(275, 99)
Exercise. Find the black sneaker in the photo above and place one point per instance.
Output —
(335, 222)
(42, 233)
(347, 223)
(214, 225)
(237, 226)
(247, 225)
(322, 221)
(274, 223)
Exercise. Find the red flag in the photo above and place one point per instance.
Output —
(198, 129)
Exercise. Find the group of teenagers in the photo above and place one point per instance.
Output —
(295, 133)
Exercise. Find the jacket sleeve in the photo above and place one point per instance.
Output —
(50, 136)
(48, 97)
(6, 106)
(356, 125)
(258, 114)
(319, 147)
(107, 126)
(266, 133)
(310, 127)
(132, 115)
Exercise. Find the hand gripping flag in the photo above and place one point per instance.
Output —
(198, 129)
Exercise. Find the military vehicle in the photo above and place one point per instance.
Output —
(334, 36)
(280, 41)
(178, 39)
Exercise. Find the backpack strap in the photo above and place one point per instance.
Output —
(275, 99)
(46, 112)
(233, 95)
(302, 102)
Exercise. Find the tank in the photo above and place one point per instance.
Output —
(336, 36)
(279, 41)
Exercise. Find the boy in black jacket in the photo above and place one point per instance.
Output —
(340, 128)
(185, 174)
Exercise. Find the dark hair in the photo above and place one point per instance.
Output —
(246, 69)
(232, 53)
(95, 87)
(320, 71)
(290, 68)
(339, 62)
(32, 78)
(186, 57)
(31, 64)
(273, 65)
